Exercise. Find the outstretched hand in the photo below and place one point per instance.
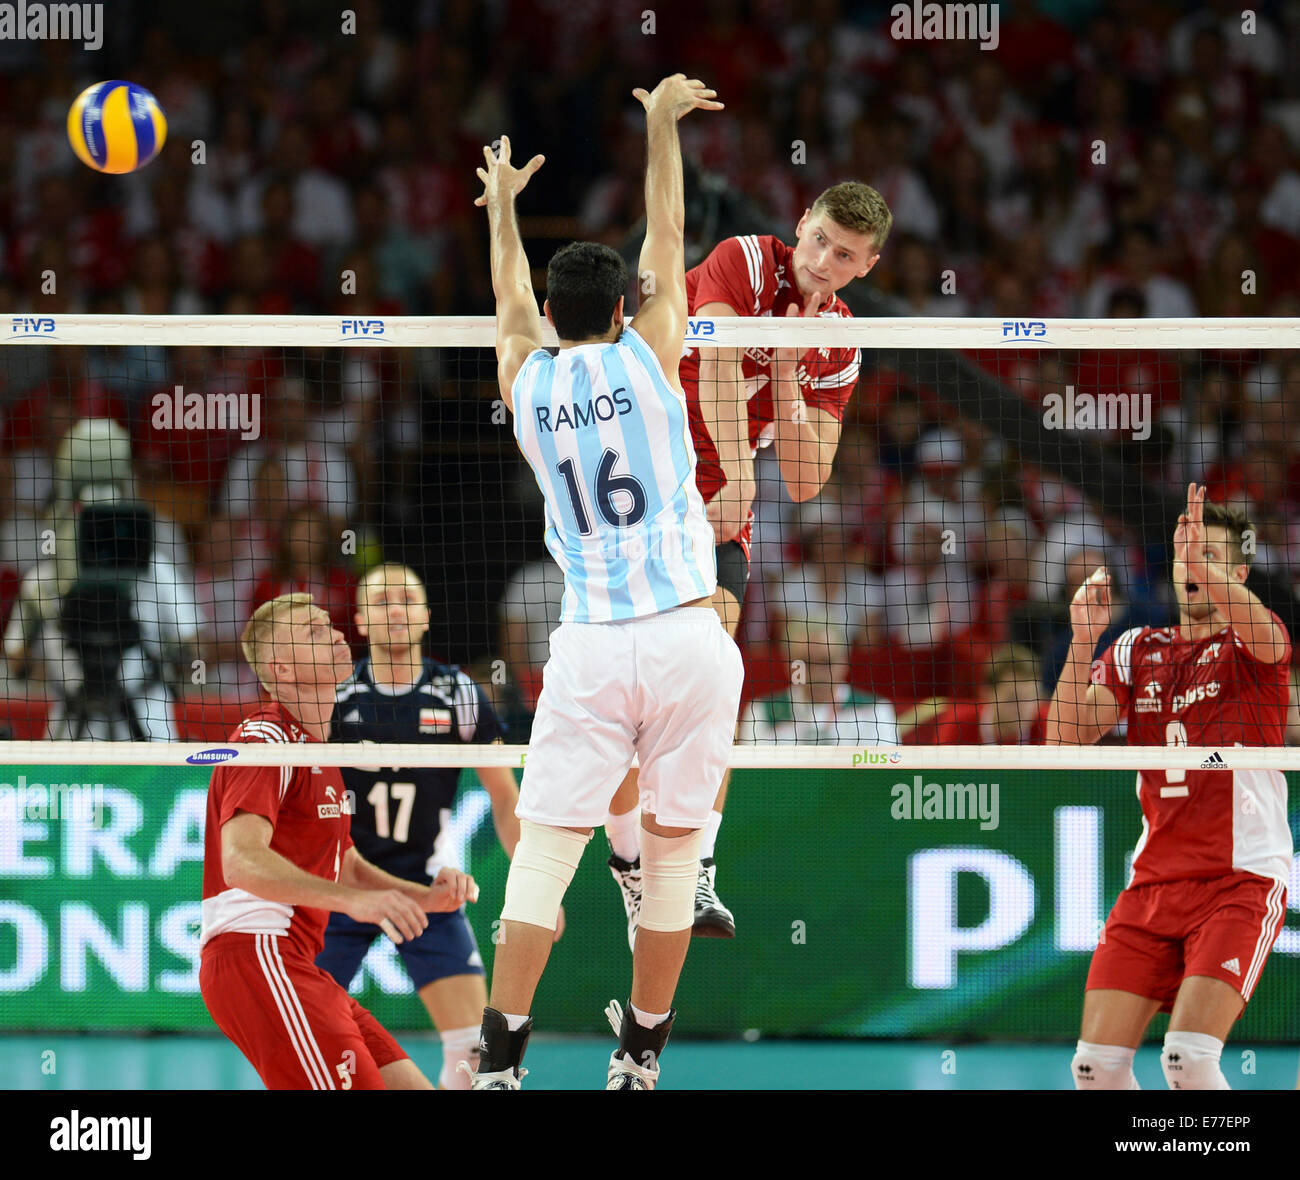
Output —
(450, 890)
(502, 181)
(1189, 536)
(1189, 544)
(676, 95)
(1090, 607)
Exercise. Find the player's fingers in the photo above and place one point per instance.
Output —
(490, 156)
(388, 928)
(416, 919)
(505, 149)
(535, 163)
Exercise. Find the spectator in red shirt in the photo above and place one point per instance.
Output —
(1012, 710)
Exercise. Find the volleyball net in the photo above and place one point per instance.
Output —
(903, 632)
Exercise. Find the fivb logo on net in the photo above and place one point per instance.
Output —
(945, 22)
(53, 22)
(35, 802)
(41, 326)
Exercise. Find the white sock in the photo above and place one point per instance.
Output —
(458, 1044)
(647, 1019)
(622, 832)
(514, 1023)
(710, 834)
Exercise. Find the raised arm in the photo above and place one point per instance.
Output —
(661, 316)
(806, 437)
(1206, 563)
(724, 406)
(518, 322)
(1081, 713)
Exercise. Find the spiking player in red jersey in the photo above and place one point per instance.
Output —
(1193, 929)
(277, 857)
(781, 397)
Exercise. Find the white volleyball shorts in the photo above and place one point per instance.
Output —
(665, 687)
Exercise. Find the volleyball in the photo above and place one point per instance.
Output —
(116, 127)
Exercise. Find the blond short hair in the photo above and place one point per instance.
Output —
(855, 206)
(258, 637)
(390, 573)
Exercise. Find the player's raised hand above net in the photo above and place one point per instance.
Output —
(1189, 543)
(1090, 607)
(502, 181)
(676, 95)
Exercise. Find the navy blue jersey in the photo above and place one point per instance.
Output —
(401, 815)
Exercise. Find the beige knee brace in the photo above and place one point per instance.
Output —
(543, 865)
(670, 868)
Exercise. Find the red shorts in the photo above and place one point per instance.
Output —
(294, 1023)
(1159, 934)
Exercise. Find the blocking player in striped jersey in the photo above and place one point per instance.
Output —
(640, 666)
(783, 397)
(396, 694)
(1192, 930)
(277, 858)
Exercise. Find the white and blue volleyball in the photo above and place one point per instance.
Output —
(116, 127)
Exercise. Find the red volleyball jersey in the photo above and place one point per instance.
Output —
(311, 816)
(1209, 692)
(749, 275)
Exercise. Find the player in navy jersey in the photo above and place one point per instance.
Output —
(400, 817)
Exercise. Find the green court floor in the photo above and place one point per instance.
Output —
(166, 1062)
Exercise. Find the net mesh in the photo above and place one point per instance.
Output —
(903, 632)
(973, 489)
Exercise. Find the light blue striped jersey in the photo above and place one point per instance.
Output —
(607, 437)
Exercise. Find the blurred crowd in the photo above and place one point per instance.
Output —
(1144, 148)
(1126, 159)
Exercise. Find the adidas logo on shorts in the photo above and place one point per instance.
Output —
(1231, 965)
